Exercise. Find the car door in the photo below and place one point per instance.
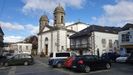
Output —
(90, 61)
(99, 62)
(13, 60)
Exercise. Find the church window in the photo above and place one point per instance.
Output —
(61, 19)
(46, 40)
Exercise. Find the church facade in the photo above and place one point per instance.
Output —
(55, 38)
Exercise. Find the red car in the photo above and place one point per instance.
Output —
(68, 62)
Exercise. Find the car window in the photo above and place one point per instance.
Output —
(62, 54)
(92, 57)
(25, 56)
(16, 57)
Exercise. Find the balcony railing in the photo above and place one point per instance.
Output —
(80, 46)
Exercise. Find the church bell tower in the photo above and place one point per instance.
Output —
(43, 22)
(59, 14)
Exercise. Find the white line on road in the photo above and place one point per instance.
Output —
(12, 70)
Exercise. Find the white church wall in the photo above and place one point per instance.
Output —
(63, 40)
(54, 41)
(45, 29)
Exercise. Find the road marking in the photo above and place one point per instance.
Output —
(12, 70)
(92, 72)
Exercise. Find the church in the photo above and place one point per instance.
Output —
(55, 38)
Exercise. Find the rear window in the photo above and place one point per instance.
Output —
(62, 54)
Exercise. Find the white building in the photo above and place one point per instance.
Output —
(95, 40)
(55, 38)
(126, 39)
(22, 48)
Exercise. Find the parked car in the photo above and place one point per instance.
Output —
(86, 63)
(68, 62)
(110, 56)
(121, 59)
(130, 59)
(19, 59)
(2, 58)
(57, 59)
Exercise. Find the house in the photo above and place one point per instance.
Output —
(55, 38)
(1, 40)
(95, 40)
(21, 48)
(126, 39)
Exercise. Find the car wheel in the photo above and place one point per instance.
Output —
(59, 65)
(25, 63)
(6, 64)
(108, 66)
(87, 69)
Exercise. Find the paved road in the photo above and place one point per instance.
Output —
(41, 68)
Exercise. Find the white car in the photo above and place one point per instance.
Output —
(121, 59)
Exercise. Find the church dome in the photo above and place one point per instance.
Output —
(59, 9)
(44, 18)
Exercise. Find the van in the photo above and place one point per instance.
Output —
(56, 59)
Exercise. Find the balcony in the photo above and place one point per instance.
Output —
(80, 46)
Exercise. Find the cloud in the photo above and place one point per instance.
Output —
(118, 14)
(20, 27)
(11, 26)
(33, 29)
(13, 38)
(48, 6)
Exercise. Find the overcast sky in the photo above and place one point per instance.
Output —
(19, 18)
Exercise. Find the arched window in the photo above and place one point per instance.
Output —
(61, 19)
(46, 40)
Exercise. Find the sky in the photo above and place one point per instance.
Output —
(20, 18)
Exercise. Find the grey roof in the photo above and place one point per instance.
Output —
(1, 31)
(87, 31)
(127, 26)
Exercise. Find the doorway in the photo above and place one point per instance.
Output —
(46, 49)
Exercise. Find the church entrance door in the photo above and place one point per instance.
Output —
(46, 49)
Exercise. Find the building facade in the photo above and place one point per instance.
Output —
(55, 38)
(1, 40)
(126, 39)
(21, 48)
(95, 40)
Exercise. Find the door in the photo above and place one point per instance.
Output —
(14, 60)
(46, 49)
